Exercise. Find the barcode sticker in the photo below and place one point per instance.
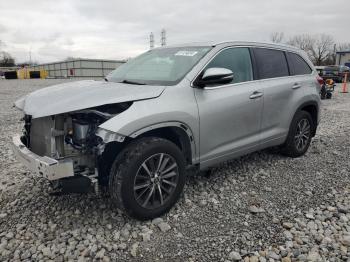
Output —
(186, 53)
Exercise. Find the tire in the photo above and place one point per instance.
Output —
(137, 190)
(329, 95)
(323, 92)
(292, 147)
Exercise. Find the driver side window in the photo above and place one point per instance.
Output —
(237, 60)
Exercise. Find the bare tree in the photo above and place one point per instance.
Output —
(304, 42)
(318, 47)
(6, 59)
(322, 49)
(70, 58)
(277, 37)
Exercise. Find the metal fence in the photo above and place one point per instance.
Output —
(79, 68)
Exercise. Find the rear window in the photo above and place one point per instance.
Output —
(297, 65)
(270, 63)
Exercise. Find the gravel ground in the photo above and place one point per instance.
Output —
(261, 207)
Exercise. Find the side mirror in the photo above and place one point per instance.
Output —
(216, 75)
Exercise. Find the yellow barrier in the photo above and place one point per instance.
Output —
(24, 73)
(43, 74)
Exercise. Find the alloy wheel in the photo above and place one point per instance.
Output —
(302, 135)
(156, 180)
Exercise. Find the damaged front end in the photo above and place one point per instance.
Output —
(67, 148)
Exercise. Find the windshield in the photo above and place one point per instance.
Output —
(164, 66)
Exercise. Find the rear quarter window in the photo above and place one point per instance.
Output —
(270, 63)
(297, 65)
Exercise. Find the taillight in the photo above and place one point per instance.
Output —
(320, 80)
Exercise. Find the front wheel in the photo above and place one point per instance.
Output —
(147, 177)
(299, 136)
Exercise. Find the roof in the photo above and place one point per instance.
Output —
(235, 42)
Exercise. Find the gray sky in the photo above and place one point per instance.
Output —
(54, 30)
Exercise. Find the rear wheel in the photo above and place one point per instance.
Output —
(147, 177)
(299, 136)
(323, 92)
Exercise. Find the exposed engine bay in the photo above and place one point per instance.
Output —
(72, 136)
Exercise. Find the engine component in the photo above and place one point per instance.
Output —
(80, 131)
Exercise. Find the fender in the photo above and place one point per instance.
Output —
(166, 111)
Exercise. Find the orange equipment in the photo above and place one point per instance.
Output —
(329, 82)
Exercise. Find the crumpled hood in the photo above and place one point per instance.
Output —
(79, 95)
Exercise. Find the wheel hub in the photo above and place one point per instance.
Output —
(156, 178)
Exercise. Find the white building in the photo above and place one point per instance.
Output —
(92, 68)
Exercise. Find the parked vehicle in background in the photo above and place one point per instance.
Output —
(336, 73)
(170, 110)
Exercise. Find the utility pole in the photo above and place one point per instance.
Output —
(163, 37)
(30, 56)
(151, 41)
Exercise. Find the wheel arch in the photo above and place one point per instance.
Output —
(178, 133)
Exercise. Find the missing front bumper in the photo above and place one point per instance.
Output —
(47, 167)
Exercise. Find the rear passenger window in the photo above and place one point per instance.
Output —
(297, 65)
(237, 60)
(270, 63)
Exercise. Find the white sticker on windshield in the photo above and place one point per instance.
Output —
(186, 53)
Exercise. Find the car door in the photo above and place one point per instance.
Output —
(230, 114)
(282, 93)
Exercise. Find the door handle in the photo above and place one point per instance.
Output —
(296, 86)
(255, 95)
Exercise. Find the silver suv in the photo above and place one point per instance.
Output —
(166, 112)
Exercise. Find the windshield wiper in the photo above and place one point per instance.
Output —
(125, 81)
